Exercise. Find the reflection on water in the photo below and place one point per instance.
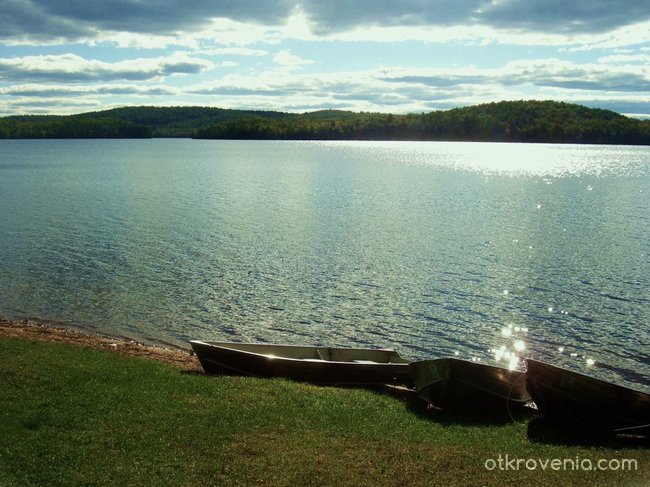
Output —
(512, 350)
(490, 252)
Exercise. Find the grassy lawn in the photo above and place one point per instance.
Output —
(74, 416)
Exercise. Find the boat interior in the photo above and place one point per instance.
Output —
(328, 354)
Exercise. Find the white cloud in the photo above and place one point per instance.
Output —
(286, 58)
(232, 51)
(634, 34)
(50, 105)
(61, 90)
(74, 68)
(133, 40)
(403, 89)
(625, 59)
(263, 44)
(149, 23)
(535, 72)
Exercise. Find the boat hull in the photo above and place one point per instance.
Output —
(568, 397)
(455, 384)
(318, 365)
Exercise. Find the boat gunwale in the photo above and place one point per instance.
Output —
(630, 415)
(451, 377)
(214, 345)
(594, 381)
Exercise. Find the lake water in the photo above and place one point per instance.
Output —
(490, 252)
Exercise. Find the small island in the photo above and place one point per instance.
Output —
(506, 121)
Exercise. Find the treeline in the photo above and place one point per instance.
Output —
(524, 121)
(178, 121)
(520, 121)
(361, 126)
(538, 121)
(125, 122)
(35, 127)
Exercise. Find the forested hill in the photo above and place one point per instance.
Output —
(521, 121)
(127, 122)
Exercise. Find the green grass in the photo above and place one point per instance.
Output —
(72, 416)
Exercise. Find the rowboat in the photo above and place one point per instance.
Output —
(318, 365)
(576, 399)
(455, 384)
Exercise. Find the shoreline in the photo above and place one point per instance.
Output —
(37, 330)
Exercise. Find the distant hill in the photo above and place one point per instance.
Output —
(518, 121)
(180, 121)
(69, 127)
(125, 122)
(540, 121)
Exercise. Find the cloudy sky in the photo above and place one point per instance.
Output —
(400, 56)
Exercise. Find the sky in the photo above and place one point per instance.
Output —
(391, 56)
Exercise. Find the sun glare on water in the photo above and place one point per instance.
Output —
(510, 353)
(507, 159)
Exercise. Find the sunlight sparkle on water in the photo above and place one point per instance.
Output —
(509, 353)
(548, 161)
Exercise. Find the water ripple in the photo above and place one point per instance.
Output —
(490, 252)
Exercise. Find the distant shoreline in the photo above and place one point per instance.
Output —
(524, 121)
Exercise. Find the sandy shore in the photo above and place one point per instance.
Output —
(34, 330)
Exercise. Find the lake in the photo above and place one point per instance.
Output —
(490, 252)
